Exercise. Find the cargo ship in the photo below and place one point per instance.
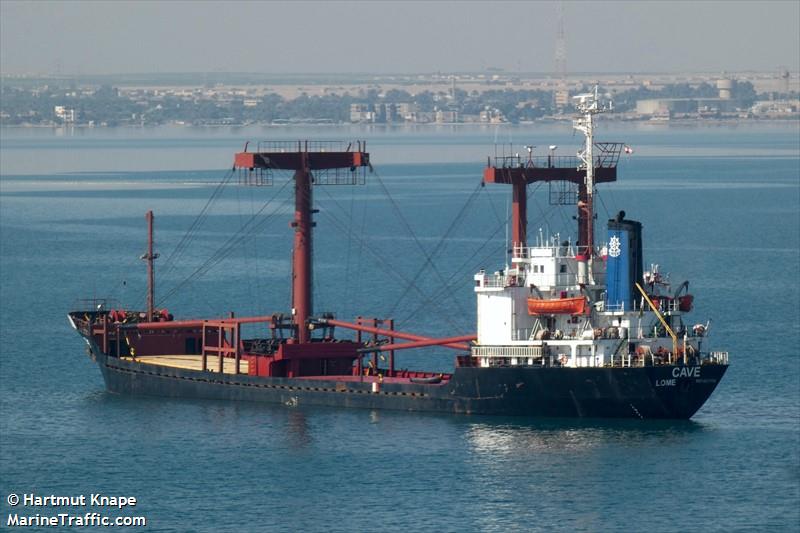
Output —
(564, 329)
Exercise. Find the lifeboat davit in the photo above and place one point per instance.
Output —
(560, 306)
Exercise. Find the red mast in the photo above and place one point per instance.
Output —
(332, 165)
(519, 213)
(302, 302)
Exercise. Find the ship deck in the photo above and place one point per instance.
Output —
(195, 362)
(374, 379)
(191, 362)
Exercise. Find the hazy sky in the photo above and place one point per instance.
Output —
(95, 37)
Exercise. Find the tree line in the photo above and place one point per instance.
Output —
(109, 106)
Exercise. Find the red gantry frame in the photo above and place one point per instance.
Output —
(519, 173)
(303, 161)
(312, 163)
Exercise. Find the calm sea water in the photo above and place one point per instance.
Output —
(720, 207)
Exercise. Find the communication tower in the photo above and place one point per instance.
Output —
(561, 94)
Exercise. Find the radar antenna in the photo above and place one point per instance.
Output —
(588, 105)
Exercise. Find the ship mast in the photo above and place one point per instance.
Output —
(150, 257)
(589, 105)
(578, 174)
(302, 262)
(332, 164)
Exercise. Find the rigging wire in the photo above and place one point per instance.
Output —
(603, 203)
(360, 255)
(413, 282)
(256, 259)
(494, 209)
(250, 251)
(439, 245)
(346, 285)
(425, 254)
(248, 279)
(190, 234)
(458, 276)
(317, 302)
(388, 268)
(459, 273)
(250, 226)
(229, 245)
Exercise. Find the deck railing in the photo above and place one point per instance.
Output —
(502, 355)
(498, 280)
(507, 351)
(719, 358)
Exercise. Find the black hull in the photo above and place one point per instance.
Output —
(526, 391)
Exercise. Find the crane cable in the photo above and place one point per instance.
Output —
(386, 266)
(428, 259)
(190, 234)
(439, 245)
(247, 228)
(450, 285)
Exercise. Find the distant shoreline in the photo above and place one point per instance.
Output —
(417, 125)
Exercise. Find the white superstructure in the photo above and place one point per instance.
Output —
(554, 306)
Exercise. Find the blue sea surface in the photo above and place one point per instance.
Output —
(720, 207)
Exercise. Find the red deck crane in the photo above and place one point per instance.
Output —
(302, 160)
(519, 173)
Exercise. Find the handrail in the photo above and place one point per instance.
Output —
(507, 351)
(623, 340)
(663, 322)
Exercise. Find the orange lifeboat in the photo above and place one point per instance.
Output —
(560, 306)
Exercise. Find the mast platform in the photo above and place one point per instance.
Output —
(308, 155)
(512, 169)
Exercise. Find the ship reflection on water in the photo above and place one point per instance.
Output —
(552, 437)
(572, 475)
(297, 431)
